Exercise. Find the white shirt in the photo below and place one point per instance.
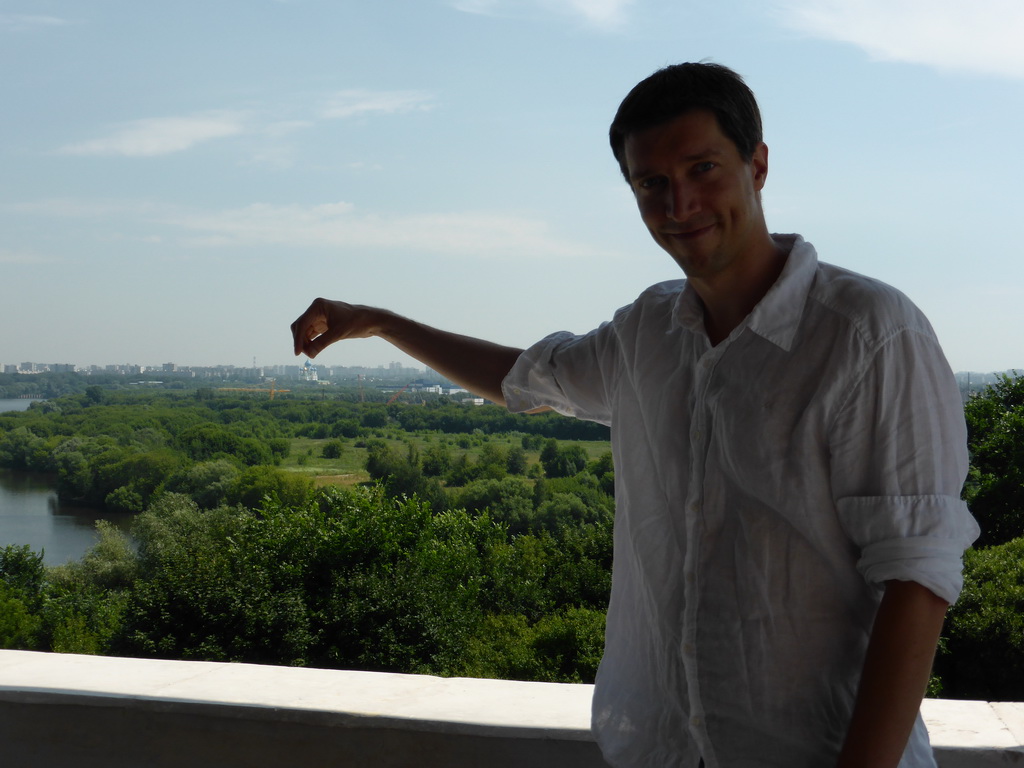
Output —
(765, 489)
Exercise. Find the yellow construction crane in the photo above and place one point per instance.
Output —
(273, 389)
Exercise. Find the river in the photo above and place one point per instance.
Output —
(31, 513)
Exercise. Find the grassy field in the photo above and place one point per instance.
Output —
(306, 454)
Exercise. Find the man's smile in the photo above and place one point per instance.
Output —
(690, 233)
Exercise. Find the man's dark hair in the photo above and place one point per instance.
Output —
(682, 88)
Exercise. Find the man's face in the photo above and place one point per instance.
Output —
(696, 195)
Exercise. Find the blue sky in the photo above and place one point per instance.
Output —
(179, 180)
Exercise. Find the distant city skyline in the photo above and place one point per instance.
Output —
(32, 367)
(394, 366)
(183, 179)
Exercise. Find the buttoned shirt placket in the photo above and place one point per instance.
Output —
(700, 434)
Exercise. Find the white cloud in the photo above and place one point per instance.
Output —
(605, 14)
(161, 135)
(23, 257)
(982, 36)
(72, 208)
(359, 102)
(325, 226)
(599, 13)
(285, 127)
(20, 22)
(152, 137)
(482, 7)
(339, 225)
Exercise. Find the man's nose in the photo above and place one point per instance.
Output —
(681, 202)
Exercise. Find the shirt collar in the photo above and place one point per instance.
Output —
(777, 316)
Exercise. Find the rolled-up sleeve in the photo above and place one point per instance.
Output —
(911, 538)
(899, 457)
(562, 372)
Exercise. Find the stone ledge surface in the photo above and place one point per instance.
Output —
(975, 734)
(420, 702)
(485, 714)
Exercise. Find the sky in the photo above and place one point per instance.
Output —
(178, 181)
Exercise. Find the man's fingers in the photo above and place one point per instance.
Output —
(303, 334)
(322, 324)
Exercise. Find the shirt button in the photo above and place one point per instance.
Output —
(695, 507)
(696, 434)
(696, 721)
(689, 577)
(688, 649)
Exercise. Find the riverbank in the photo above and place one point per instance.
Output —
(18, 403)
(31, 513)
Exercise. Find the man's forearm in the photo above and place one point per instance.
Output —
(895, 675)
(474, 364)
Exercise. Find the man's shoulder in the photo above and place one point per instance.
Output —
(659, 299)
(875, 309)
(666, 290)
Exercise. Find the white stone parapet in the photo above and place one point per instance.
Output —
(82, 711)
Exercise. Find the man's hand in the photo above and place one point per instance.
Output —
(475, 364)
(326, 322)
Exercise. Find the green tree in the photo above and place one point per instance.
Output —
(565, 646)
(604, 470)
(279, 447)
(402, 475)
(982, 651)
(995, 484)
(257, 484)
(374, 416)
(437, 460)
(208, 483)
(491, 463)
(188, 601)
(562, 461)
(332, 449)
(508, 501)
(515, 463)
(18, 625)
(84, 601)
(20, 449)
(22, 571)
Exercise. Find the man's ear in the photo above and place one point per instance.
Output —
(759, 166)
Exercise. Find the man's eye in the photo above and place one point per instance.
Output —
(652, 183)
(705, 167)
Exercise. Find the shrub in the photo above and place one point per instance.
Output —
(332, 449)
(18, 626)
(982, 652)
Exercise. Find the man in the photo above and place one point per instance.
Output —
(789, 450)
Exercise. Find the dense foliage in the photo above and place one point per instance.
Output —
(981, 655)
(350, 578)
(983, 651)
(13, 385)
(460, 558)
(120, 449)
(995, 485)
(468, 540)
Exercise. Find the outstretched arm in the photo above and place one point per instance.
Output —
(896, 670)
(479, 366)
